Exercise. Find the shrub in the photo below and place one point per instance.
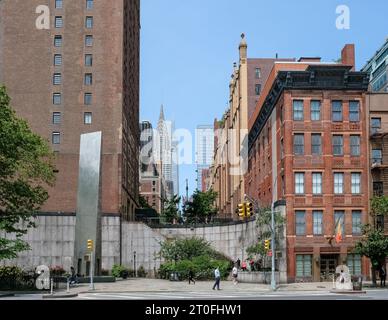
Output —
(10, 277)
(119, 271)
(141, 272)
(104, 272)
(57, 271)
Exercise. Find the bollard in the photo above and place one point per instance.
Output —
(52, 286)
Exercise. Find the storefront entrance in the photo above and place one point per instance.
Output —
(327, 266)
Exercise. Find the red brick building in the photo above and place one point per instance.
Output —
(308, 146)
(80, 75)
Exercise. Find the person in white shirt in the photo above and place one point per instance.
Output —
(217, 275)
(234, 275)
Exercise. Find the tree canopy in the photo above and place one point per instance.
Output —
(170, 212)
(202, 208)
(374, 245)
(26, 169)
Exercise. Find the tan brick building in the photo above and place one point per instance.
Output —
(308, 145)
(78, 75)
(231, 132)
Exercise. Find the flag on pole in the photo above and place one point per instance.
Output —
(338, 236)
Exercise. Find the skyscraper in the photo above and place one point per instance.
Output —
(204, 136)
(72, 69)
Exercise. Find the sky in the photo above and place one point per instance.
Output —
(188, 48)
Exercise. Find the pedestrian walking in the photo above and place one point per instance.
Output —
(238, 262)
(191, 276)
(217, 276)
(235, 275)
(383, 276)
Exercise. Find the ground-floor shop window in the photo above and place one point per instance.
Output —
(303, 265)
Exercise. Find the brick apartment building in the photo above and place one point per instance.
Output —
(308, 145)
(81, 75)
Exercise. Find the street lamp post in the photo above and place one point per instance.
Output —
(273, 281)
(134, 263)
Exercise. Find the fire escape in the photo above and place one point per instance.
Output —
(379, 169)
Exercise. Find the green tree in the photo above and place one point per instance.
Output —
(143, 203)
(26, 168)
(379, 206)
(373, 245)
(202, 208)
(263, 223)
(170, 212)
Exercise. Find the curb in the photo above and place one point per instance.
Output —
(60, 296)
(347, 291)
(7, 295)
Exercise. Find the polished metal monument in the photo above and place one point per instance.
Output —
(88, 220)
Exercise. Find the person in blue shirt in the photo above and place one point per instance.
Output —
(217, 276)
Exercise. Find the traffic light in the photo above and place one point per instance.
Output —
(241, 210)
(90, 244)
(249, 209)
(266, 244)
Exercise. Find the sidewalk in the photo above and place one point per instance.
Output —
(157, 285)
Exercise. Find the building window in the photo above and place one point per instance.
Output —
(89, 22)
(258, 89)
(355, 146)
(316, 144)
(315, 110)
(338, 145)
(300, 223)
(88, 40)
(299, 144)
(298, 110)
(317, 183)
(356, 183)
(336, 109)
(56, 138)
(57, 98)
(88, 60)
(58, 41)
(58, 4)
(58, 22)
(303, 265)
(88, 118)
(338, 183)
(356, 222)
(378, 188)
(317, 222)
(57, 60)
(354, 111)
(89, 4)
(380, 222)
(299, 183)
(375, 124)
(153, 182)
(88, 98)
(377, 156)
(354, 264)
(88, 79)
(57, 79)
(56, 117)
(339, 220)
(258, 73)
